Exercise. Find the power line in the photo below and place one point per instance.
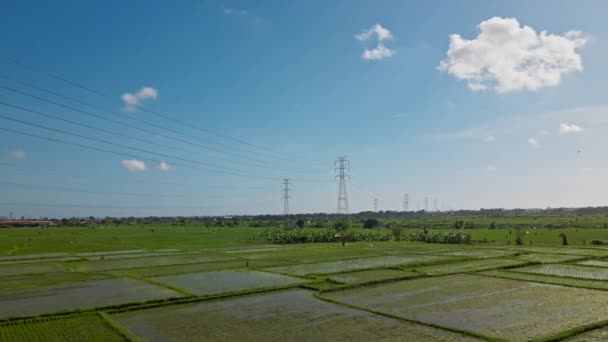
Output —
(343, 165)
(97, 177)
(73, 190)
(126, 154)
(125, 136)
(116, 122)
(165, 117)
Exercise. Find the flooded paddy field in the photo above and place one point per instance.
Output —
(216, 282)
(71, 296)
(468, 266)
(358, 264)
(548, 258)
(508, 309)
(569, 271)
(294, 315)
(371, 275)
(479, 253)
(396, 291)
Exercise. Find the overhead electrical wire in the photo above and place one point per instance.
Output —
(101, 117)
(156, 113)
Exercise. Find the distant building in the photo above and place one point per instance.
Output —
(26, 223)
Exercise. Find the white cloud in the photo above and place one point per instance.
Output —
(17, 154)
(566, 128)
(378, 30)
(164, 166)
(377, 53)
(134, 165)
(508, 57)
(489, 138)
(380, 51)
(533, 142)
(490, 168)
(235, 11)
(132, 101)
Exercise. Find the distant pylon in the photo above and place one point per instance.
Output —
(375, 204)
(426, 203)
(406, 202)
(342, 167)
(436, 206)
(286, 191)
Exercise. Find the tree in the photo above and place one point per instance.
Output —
(371, 223)
(342, 224)
(300, 223)
(564, 239)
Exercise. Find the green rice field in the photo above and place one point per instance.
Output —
(234, 288)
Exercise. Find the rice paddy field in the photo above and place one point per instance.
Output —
(232, 287)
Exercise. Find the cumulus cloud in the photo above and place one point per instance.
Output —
(569, 128)
(134, 165)
(17, 154)
(508, 57)
(132, 101)
(533, 142)
(379, 52)
(164, 166)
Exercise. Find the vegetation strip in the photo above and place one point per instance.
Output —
(128, 336)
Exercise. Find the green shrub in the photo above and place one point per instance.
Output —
(280, 236)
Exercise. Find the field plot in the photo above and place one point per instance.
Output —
(357, 264)
(479, 253)
(547, 258)
(46, 278)
(34, 268)
(33, 261)
(596, 335)
(75, 328)
(468, 266)
(310, 255)
(571, 271)
(371, 275)
(585, 283)
(135, 255)
(294, 315)
(106, 265)
(129, 251)
(33, 256)
(193, 268)
(566, 250)
(513, 310)
(87, 294)
(208, 283)
(597, 263)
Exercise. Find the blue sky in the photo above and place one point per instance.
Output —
(287, 87)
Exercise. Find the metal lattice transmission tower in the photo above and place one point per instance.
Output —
(436, 205)
(426, 203)
(342, 168)
(406, 202)
(375, 204)
(286, 192)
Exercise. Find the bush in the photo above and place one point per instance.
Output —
(441, 237)
(342, 225)
(281, 236)
(564, 239)
(599, 242)
(371, 223)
